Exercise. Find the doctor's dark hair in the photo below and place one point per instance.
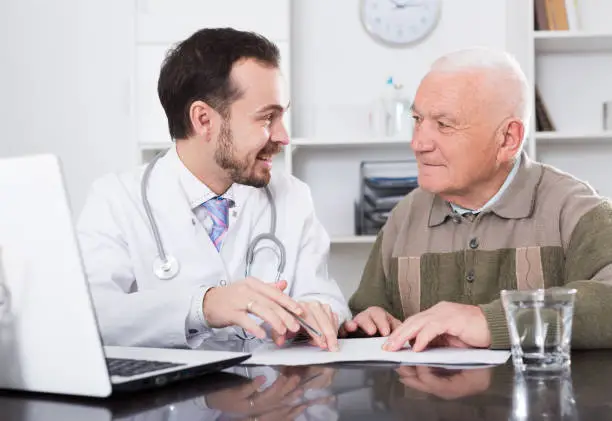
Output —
(198, 69)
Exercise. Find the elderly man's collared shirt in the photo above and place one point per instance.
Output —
(462, 211)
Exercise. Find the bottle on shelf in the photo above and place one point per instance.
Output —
(390, 114)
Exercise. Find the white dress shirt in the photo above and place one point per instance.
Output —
(197, 194)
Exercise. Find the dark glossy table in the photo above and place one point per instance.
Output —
(349, 392)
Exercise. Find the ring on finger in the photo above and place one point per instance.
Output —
(249, 306)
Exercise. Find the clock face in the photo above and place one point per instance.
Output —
(399, 22)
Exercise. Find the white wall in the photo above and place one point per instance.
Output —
(63, 85)
(67, 88)
(337, 71)
(337, 66)
(160, 24)
(594, 15)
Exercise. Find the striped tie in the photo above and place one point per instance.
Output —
(217, 208)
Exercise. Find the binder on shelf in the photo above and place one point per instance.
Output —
(556, 15)
(543, 121)
(540, 18)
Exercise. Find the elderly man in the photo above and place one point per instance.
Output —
(485, 218)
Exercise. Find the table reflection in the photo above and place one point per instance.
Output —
(287, 394)
(272, 394)
(364, 391)
(424, 393)
(543, 396)
(445, 383)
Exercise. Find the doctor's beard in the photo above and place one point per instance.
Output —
(242, 171)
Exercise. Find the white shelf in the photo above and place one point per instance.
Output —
(571, 42)
(569, 137)
(357, 142)
(307, 142)
(154, 146)
(354, 239)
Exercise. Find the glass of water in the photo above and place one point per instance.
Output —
(540, 327)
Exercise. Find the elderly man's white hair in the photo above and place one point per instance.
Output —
(502, 67)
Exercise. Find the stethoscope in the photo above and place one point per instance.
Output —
(166, 266)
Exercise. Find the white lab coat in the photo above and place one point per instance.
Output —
(135, 308)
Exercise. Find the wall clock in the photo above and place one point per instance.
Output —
(399, 23)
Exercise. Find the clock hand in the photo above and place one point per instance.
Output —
(402, 4)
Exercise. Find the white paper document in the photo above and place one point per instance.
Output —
(370, 349)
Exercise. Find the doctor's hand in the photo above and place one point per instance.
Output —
(321, 317)
(253, 398)
(282, 400)
(372, 321)
(445, 324)
(230, 305)
(313, 377)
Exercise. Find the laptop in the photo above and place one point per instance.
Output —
(49, 335)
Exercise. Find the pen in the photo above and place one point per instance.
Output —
(303, 323)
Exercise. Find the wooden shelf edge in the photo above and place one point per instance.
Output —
(315, 142)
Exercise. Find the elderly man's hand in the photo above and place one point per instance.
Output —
(445, 324)
(372, 321)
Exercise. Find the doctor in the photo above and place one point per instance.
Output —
(166, 246)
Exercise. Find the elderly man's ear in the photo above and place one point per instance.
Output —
(512, 140)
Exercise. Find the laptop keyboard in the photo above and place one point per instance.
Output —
(127, 367)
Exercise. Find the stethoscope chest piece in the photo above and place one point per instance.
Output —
(166, 270)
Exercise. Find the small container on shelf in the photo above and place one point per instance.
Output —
(389, 116)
